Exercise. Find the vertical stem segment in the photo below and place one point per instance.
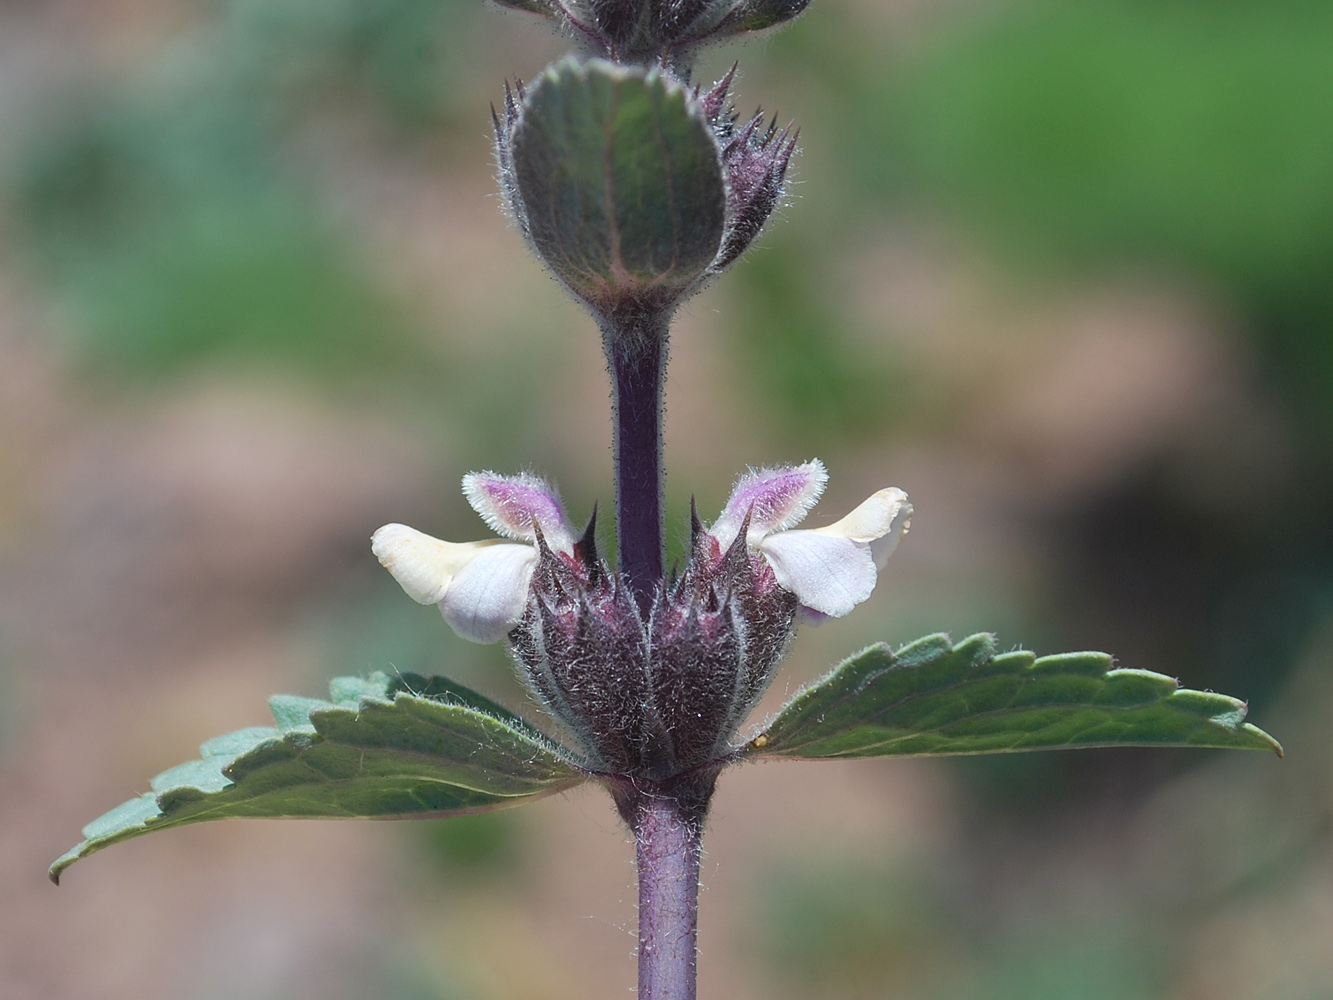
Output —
(636, 353)
(668, 838)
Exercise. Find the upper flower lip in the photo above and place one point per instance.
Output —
(773, 499)
(517, 506)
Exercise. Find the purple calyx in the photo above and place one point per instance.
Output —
(755, 157)
(656, 695)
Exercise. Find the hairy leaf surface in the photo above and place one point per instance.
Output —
(933, 698)
(383, 747)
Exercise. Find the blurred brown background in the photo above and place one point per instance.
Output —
(1061, 269)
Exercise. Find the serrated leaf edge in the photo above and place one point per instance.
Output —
(1221, 710)
(377, 689)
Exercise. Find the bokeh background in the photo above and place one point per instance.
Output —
(1062, 269)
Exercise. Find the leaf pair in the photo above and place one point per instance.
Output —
(409, 746)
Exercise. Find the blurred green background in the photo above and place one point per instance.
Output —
(1062, 269)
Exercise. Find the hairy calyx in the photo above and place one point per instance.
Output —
(657, 694)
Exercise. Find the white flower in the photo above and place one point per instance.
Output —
(480, 587)
(830, 569)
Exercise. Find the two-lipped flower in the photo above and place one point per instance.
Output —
(482, 587)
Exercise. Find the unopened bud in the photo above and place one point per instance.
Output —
(755, 157)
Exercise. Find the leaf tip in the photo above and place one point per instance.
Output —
(1268, 742)
(64, 861)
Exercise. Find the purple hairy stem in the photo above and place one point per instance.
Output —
(635, 341)
(667, 830)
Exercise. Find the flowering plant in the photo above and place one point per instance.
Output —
(635, 187)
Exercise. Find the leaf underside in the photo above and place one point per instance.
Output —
(383, 747)
(935, 698)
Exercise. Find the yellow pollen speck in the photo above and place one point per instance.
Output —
(760, 741)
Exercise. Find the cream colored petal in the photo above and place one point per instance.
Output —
(828, 573)
(487, 597)
(880, 522)
(422, 565)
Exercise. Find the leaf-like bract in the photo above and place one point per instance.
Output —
(383, 747)
(933, 698)
(620, 180)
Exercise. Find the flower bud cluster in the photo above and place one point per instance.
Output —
(755, 157)
(633, 188)
(664, 31)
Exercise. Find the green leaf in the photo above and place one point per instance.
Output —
(619, 179)
(384, 747)
(934, 698)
